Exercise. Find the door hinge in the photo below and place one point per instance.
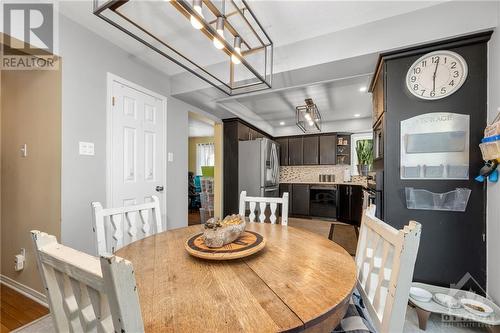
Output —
(484, 237)
(113, 101)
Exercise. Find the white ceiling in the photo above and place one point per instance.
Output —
(285, 21)
(199, 126)
(290, 21)
(318, 44)
(336, 100)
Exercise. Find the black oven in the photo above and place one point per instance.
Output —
(323, 201)
(375, 190)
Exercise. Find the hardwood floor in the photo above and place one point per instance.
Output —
(17, 310)
(194, 218)
(344, 235)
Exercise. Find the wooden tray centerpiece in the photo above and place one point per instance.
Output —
(225, 240)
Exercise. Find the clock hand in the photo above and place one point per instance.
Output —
(434, 76)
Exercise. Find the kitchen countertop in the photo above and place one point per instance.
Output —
(358, 183)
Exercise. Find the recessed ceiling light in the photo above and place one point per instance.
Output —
(362, 89)
(282, 123)
(357, 115)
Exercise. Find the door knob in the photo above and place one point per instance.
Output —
(159, 188)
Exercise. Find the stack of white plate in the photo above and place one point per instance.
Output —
(420, 295)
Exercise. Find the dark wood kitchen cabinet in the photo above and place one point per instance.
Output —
(283, 142)
(317, 149)
(300, 200)
(286, 188)
(327, 149)
(235, 130)
(311, 150)
(295, 151)
(350, 204)
(246, 133)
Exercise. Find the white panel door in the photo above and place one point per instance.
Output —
(137, 147)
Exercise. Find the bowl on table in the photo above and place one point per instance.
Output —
(447, 301)
(218, 233)
(420, 294)
(476, 307)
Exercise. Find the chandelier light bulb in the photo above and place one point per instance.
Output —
(308, 117)
(311, 123)
(237, 47)
(194, 21)
(220, 31)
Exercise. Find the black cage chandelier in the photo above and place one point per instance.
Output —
(219, 41)
(308, 118)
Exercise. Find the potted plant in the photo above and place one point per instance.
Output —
(364, 151)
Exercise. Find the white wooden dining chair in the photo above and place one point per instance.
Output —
(385, 259)
(116, 227)
(86, 294)
(258, 212)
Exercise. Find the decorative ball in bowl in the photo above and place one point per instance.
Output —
(219, 233)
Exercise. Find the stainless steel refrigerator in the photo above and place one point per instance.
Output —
(258, 168)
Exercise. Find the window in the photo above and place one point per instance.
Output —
(205, 156)
(354, 157)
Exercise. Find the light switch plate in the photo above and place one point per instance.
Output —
(170, 157)
(86, 148)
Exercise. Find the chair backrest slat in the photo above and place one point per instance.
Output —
(263, 204)
(117, 227)
(385, 260)
(85, 293)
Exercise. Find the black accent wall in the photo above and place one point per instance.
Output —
(452, 243)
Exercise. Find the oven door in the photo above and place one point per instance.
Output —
(323, 201)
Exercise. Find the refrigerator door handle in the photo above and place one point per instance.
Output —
(274, 158)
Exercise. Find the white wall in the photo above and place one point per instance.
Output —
(493, 210)
(177, 170)
(86, 58)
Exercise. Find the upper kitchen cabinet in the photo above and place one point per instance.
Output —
(247, 132)
(327, 149)
(378, 101)
(319, 149)
(377, 90)
(295, 151)
(283, 142)
(311, 150)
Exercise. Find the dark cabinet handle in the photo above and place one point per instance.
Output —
(159, 188)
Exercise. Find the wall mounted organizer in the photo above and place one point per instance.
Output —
(455, 200)
(435, 146)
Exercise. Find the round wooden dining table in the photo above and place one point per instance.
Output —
(300, 282)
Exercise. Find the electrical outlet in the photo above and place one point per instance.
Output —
(86, 148)
(170, 157)
(19, 260)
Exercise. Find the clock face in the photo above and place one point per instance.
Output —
(436, 75)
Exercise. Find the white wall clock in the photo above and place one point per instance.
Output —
(436, 75)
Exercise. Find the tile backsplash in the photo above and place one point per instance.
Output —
(305, 174)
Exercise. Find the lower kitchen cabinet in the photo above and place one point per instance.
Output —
(300, 200)
(350, 204)
(286, 188)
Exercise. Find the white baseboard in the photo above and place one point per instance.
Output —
(24, 290)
